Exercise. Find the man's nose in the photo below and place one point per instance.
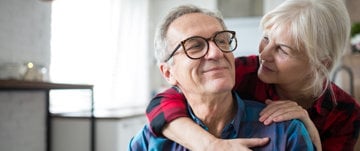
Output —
(214, 51)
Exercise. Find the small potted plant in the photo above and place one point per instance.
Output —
(355, 37)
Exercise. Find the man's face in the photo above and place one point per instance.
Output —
(214, 73)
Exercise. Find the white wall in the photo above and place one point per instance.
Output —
(25, 31)
(24, 36)
(271, 4)
(248, 34)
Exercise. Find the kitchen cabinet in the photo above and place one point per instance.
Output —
(25, 118)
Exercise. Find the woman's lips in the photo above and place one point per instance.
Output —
(265, 68)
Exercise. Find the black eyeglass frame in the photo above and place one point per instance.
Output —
(182, 43)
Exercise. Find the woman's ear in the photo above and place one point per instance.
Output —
(327, 63)
(166, 72)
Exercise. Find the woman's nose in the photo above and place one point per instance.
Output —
(266, 52)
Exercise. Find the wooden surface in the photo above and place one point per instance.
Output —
(20, 84)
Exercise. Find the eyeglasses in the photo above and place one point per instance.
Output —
(197, 47)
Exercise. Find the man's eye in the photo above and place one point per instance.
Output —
(194, 47)
(222, 41)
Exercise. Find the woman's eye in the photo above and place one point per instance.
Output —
(282, 51)
(266, 39)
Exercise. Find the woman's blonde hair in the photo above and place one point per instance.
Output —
(321, 28)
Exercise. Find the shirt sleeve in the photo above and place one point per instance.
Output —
(338, 125)
(298, 138)
(164, 108)
(344, 135)
(140, 141)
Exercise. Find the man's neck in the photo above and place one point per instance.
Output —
(214, 112)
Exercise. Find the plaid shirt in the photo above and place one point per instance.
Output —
(289, 135)
(335, 114)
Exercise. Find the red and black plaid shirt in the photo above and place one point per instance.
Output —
(336, 114)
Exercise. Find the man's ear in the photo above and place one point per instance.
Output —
(166, 72)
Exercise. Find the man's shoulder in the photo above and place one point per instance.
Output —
(254, 105)
(293, 131)
(140, 139)
(252, 110)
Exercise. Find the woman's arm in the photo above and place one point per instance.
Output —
(185, 132)
(168, 116)
(164, 108)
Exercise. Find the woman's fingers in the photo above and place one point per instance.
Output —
(281, 111)
(285, 115)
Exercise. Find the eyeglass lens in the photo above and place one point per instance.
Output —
(197, 47)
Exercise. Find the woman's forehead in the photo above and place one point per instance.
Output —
(281, 33)
(284, 34)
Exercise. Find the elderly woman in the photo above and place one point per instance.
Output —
(302, 41)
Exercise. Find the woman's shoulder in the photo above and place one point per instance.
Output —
(337, 104)
(344, 101)
(342, 96)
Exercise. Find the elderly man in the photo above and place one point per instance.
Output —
(194, 53)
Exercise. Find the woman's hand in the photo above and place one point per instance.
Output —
(279, 111)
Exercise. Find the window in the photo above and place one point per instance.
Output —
(104, 43)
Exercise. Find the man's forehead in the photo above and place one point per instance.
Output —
(194, 24)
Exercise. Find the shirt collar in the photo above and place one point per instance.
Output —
(230, 128)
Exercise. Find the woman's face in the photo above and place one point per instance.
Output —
(280, 61)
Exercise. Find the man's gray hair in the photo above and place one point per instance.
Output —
(160, 41)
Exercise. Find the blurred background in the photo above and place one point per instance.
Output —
(106, 45)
